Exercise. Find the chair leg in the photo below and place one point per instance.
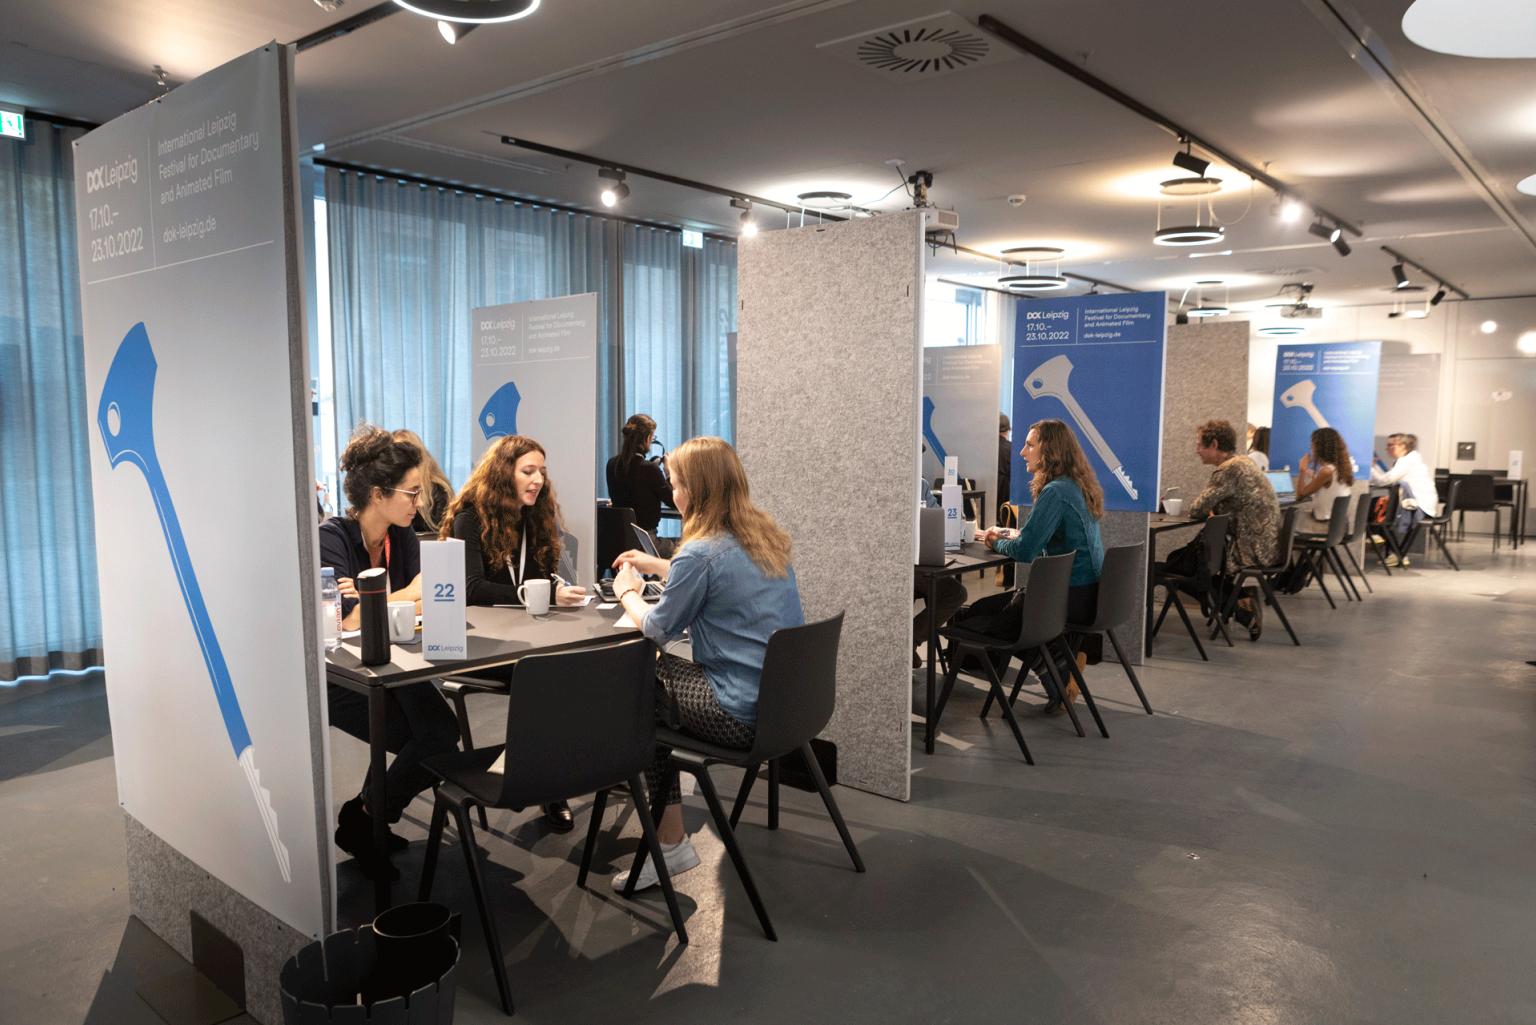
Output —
(1167, 601)
(434, 844)
(747, 780)
(1082, 685)
(477, 883)
(463, 713)
(1125, 664)
(1439, 537)
(773, 793)
(832, 809)
(1349, 578)
(1358, 568)
(1274, 603)
(653, 844)
(1317, 574)
(594, 827)
(956, 650)
(997, 692)
(1061, 687)
(658, 808)
(1381, 556)
(1173, 599)
(729, 838)
(1331, 558)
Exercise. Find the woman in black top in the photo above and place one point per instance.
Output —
(383, 485)
(635, 482)
(508, 519)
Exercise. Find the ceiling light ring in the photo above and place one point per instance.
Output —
(1189, 235)
(491, 12)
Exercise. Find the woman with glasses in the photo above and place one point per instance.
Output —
(383, 487)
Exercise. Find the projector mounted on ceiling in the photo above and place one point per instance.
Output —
(1301, 311)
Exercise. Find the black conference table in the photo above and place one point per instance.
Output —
(1519, 490)
(496, 637)
(974, 555)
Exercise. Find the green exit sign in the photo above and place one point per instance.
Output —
(13, 122)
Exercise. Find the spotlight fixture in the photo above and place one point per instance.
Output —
(453, 31)
(471, 12)
(1340, 246)
(1321, 230)
(1399, 275)
(618, 190)
(1033, 279)
(748, 226)
(1191, 163)
(1440, 295)
(1189, 235)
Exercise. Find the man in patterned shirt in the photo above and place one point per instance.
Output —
(1238, 488)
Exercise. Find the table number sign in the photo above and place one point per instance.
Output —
(442, 600)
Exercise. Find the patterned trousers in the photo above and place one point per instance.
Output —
(682, 687)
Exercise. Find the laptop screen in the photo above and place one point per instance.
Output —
(1281, 481)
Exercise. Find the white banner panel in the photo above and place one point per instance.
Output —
(205, 551)
(534, 372)
(960, 386)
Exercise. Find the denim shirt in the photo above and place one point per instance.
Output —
(729, 607)
(1059, 523)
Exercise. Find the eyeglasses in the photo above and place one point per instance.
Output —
(414, 493)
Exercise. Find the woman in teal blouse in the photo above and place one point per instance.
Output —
(1065, 518)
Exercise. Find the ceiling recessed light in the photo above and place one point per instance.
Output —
(1526, 343)
(1189, 235)
(1527, 185)
(1032, 282)
(1416, 313)
(823, 200)
(1209, 311)
(1035, 252)
(1191, 186)
(1488, 327)
(474, 12)
(1472, 28)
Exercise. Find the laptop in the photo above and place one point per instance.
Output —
(647, 542)
(930, 537)
(1281, 481)
(651, 592)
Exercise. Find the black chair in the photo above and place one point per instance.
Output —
(1044, 618)
(1325, 547)
(1120, 599)
(615, 536)
(1384, 534)
(1504, 498)
(1265, 575)
(795, 700)
(1437, 527)
(1476, 494)
(1362, 516)
(577, 722)
(1199, 584)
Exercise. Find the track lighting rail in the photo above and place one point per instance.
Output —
(1424, 270)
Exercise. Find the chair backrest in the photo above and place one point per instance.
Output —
(578, 722)
(1045, 599)
(1121, 595)
(1362, 514)
(1338, 520)
(798, 689)
(1215, 534)
(1488, 473)
(1285, 539)
(1395, 500)
(1476, 492)
(614, 536)
(1452, 500)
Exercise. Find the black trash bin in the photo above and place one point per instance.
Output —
(400, 970)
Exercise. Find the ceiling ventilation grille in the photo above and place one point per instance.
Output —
(926, 48)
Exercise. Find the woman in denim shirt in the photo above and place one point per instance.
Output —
(730, 585)
(1065, 518)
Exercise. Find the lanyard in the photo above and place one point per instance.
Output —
(522, 561)
(386, 553)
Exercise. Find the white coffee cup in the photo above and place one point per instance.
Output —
(970, 531)
(1173, 506)
(534, 594)
(402, 622)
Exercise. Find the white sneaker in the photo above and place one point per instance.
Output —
(1393, 560)
(680, 857)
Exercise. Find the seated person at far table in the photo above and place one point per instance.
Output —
(1239, 489)
(1324, 477)
(1410, 470)
(383, 485)
(1258, 447)
(730, 585)
(508, 519)
(1069, 503)
(949, 595)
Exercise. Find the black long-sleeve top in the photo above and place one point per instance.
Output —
(342, 549)
(644, 489)
(487, 584)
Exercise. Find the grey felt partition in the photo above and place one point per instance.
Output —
(1206, 378)
(828, 369)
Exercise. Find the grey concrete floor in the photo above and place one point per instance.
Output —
(1343, 832)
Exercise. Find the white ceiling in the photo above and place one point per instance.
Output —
(736, 93)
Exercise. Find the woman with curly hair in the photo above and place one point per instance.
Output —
(509, 521)
(383, 485)
(1325, 475)
(1065, 518)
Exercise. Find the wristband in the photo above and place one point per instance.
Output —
(632, 590)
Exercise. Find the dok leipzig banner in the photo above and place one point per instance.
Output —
(1328, 384)
(960, 384)
(1095, 362)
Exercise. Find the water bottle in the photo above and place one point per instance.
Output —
(330, 609)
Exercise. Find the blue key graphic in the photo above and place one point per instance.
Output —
(499, 417)
(933, 439)
(126, 419)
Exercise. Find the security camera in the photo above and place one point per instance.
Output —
(1017, 199)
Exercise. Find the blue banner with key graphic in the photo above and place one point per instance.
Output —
(1324, 384)
(1096, 363)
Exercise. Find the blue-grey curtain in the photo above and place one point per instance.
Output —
(52, 610)
(407, 264)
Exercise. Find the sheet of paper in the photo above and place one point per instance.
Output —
(608, 605)
(625, 623)
(499, 766)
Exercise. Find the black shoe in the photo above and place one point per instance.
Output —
(558, 815)
(354, 834)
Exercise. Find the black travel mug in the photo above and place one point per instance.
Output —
(373, 590)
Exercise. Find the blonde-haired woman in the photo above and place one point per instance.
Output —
(436, 491)
(730, 585)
